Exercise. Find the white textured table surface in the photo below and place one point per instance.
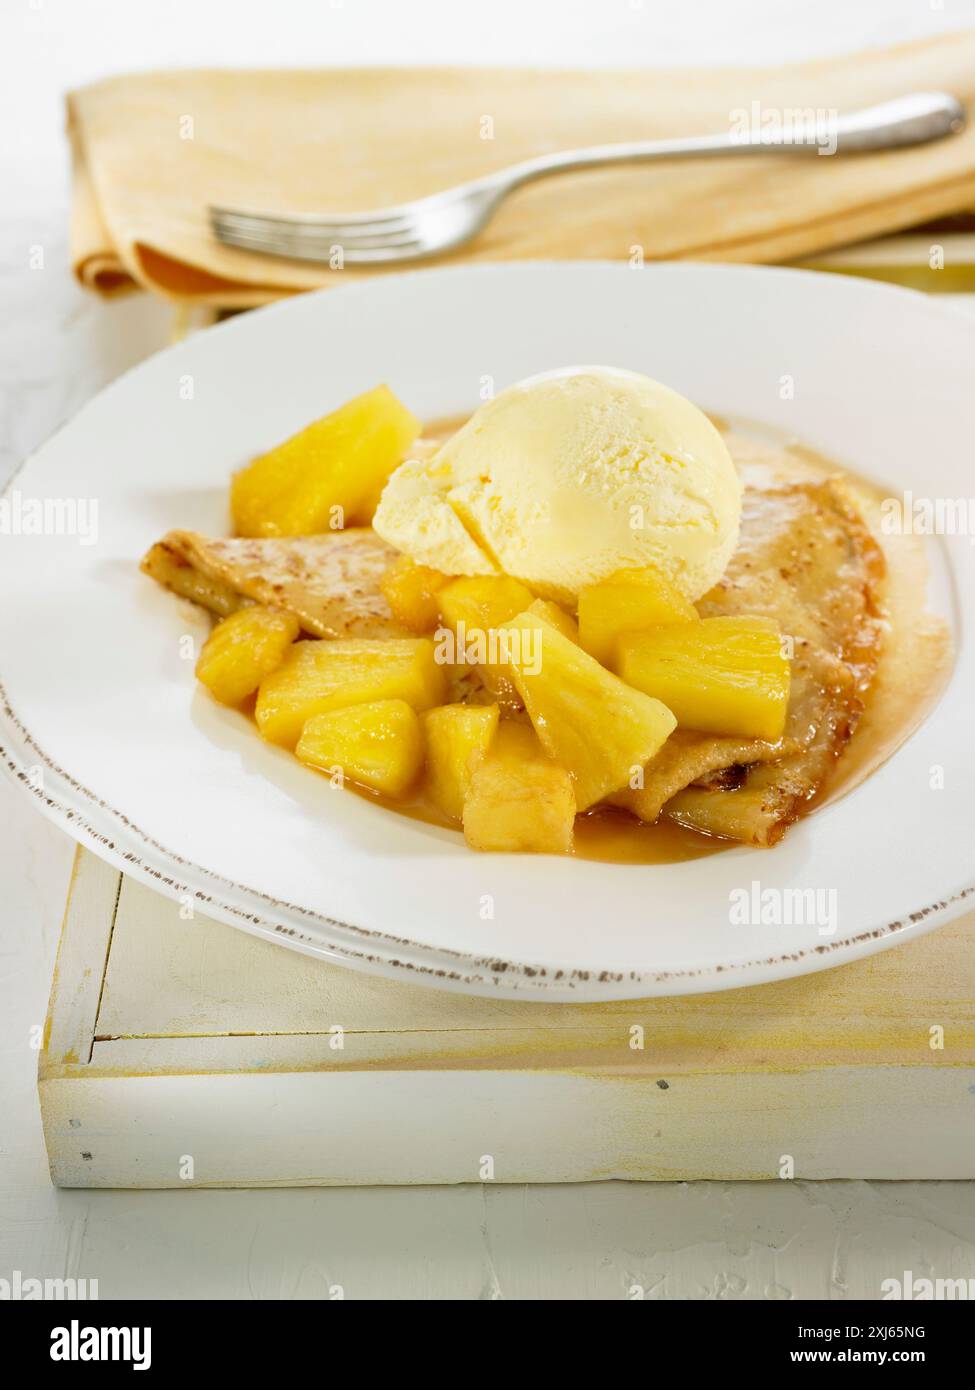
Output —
(57, 347)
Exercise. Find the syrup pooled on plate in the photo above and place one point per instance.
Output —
(608, 834)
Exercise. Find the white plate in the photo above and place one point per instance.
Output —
(103, 723)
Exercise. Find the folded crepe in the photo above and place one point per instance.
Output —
(330, 582)
(808, 560)
(152, 150)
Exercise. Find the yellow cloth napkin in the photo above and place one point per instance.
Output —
(152, 150)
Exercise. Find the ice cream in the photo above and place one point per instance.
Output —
(566, 477)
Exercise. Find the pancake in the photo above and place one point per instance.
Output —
(807, 560)
(689, 758)
(329, 582)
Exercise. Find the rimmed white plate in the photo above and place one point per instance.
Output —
(102, 723)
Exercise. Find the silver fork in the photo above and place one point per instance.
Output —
(438, 223)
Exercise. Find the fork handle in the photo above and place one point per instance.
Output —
(911, 120)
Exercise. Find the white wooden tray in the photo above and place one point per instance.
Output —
(182, 1053)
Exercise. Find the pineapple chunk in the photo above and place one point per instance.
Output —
(519, 800)
(243, 649)
(474, 608)
(412, 592)
(379, 745)
(325, 675)
(588, 720)
(557, 616)
(329, 475)
(457, 738)
(628, 601)
(719, 675)
(483, 601)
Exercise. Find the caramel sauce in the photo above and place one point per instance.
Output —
(613, 836)
(606, 834)
(915, 664)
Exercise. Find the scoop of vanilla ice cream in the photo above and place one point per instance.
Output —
(566, 477)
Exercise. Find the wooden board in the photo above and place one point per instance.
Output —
(931, 259)
(180, 1052)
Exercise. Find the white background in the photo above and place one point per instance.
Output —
(57, 347)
